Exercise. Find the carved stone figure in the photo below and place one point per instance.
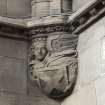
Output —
(39, 52)
(55, 65)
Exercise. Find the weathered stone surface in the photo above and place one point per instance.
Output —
(53, 60)
(18, 8)
(103, 55)
(45, 21)
(72, 100)
(90, 64)
(3, 7)
(13, 75)
(15, 8)
(89, 48)
(100, 90)
(55, 8)
(6, 99)
(77, 4)
(66, 5)
(85, 96)
(19, 99)
(90, 52)
(41, 9)
(14, 22)
(92, 35)
(13, 48)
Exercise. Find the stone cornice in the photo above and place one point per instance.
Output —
(13, 32)
(45, 21)
(13, 28)
(18, 23)
(76, 23)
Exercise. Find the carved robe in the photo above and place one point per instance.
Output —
(56, 73)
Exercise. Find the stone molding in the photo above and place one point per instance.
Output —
(86, 16)
(49, 29)
(76, 23)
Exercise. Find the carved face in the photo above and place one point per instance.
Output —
(40, 51)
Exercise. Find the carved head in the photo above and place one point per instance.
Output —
(39, 48)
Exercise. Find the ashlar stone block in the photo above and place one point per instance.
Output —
(13, 75)
(55, 8)
(90, 64)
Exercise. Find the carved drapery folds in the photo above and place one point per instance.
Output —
(53, 64)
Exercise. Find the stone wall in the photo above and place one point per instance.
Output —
(90, 87)
(15, 8)
(13, 65)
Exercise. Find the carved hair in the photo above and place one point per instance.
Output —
(37, 41)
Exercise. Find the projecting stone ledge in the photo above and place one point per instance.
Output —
(29, 23)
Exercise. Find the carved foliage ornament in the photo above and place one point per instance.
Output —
(53, 65)
(50, 29)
